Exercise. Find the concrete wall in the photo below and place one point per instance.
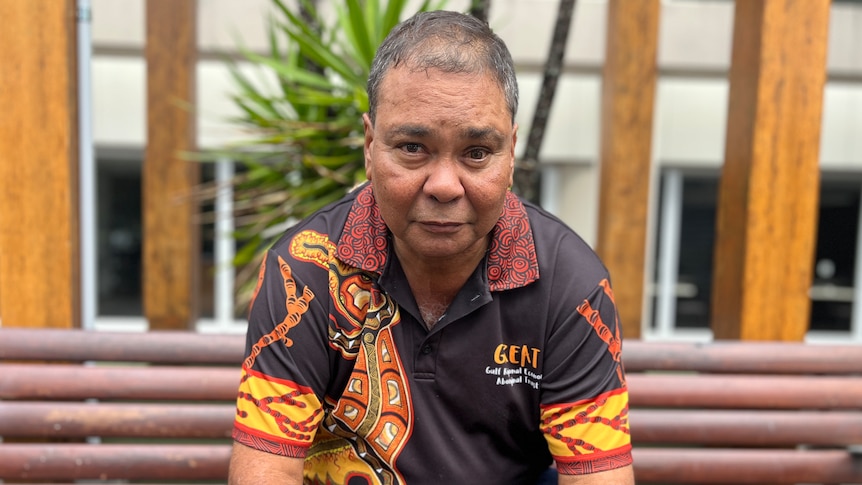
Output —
(691, 103)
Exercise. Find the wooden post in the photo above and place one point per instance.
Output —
(39, 270)
(171, 236)
(628, 91)
(768, 195)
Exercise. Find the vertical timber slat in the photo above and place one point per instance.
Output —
(39, 267)
(171, 240)
(628, 93)
(768, 195)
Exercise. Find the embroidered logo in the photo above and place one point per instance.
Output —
(516, 365)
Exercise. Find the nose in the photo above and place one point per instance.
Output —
(444, 181)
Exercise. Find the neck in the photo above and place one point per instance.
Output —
(434, 292)
(434, 284)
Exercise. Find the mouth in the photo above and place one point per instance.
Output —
(440, 227)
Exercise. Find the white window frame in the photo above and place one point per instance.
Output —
(667, 285)
(223, 320)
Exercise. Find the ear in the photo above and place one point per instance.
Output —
(512, 154)
(369, 140)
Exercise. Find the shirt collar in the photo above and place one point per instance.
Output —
(511, 260)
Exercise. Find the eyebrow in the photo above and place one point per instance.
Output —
(486, 133)
(409, 130)
(471, 132)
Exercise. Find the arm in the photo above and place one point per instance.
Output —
(619, 476)
(250, 466)
(590, 383)
(268, 448)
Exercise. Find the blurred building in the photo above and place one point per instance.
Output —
(688, 144)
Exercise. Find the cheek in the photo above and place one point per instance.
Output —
(488, 204)
(391, 191)
(490, 198)
(397, 181)
(494, 184)
(393, 210)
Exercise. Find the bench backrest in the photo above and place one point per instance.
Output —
(160, 405)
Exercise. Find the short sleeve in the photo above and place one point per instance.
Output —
(584, 415)
(279, 403)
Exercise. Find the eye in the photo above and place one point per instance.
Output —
(411, 147)
(477, 154)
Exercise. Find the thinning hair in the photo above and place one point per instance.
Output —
(448, 41)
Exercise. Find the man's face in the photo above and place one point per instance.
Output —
(440, 157)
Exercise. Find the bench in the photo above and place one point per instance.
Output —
(112, 406)
(80, 405)
(745, 412)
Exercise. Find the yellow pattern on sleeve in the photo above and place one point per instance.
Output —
(278, 410)
(588, 427)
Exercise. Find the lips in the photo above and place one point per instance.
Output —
(440, 227)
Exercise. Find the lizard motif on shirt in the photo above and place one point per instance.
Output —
(296, 306)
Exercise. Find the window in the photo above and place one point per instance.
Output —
(685, 246)
(686, 231)
(119, 240)
(835, 260)
(120, 244)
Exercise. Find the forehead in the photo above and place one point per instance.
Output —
(405, 91)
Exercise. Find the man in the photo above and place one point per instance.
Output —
(431, 328)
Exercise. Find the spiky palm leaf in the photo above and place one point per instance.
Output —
(306, 145)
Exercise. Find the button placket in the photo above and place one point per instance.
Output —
(426, 358)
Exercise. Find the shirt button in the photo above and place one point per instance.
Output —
(427, 349)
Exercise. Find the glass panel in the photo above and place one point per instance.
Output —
(119, 237)
(697, 238)
(696, 242)
(120, 241)
(832, 289)
(206, 298)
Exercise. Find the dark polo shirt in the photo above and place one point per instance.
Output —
(523, 368)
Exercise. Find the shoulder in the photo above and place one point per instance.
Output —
(325, 225)
(558, 246)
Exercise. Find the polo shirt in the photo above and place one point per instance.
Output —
(522, 369)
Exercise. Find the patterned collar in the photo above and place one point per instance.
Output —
(511, 261)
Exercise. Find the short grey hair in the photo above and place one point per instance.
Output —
(449, 41)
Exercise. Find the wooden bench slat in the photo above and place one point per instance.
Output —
(745, 466)
(157, 346)
(138, 420)
(638, 356)
(57, 381)
(745, 428)
(213, 421)
(743, 357)
(77, 382)
(198, 462)
(49, 461)
(745, 391)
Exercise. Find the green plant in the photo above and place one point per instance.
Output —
(305, 145)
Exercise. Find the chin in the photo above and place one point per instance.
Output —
(443, 251)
